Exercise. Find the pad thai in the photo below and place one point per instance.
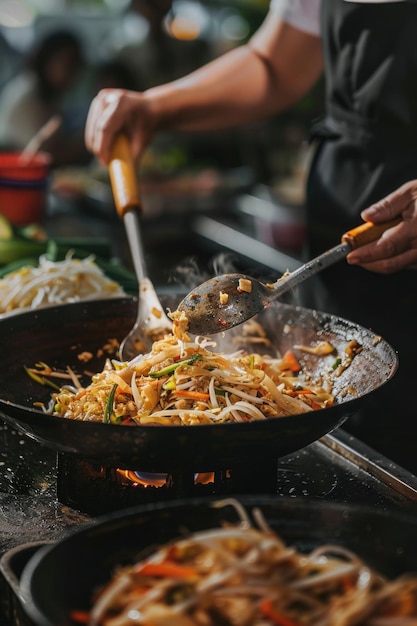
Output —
(244, 574)
(185, 382)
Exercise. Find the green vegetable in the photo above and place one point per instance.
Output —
(19, 251)
(169, 369)
(336, 363)
(14, 248)
(119, 274)
(6, 229)
(108, 411)
(42, 380)
(22, 246)
(17, 265)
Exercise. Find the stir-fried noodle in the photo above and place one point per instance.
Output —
(245, 575)
(184, 382)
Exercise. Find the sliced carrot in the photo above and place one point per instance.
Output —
(290, 361)
(139, 591)
(193, 395)
(348, 583)
(315, 406)
(278, 618)
(166, 569)
(81, 617)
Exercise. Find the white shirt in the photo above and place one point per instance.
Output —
(304, 14)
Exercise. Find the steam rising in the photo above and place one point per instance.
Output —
(251, 336)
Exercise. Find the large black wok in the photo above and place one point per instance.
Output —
(63, 576)
(58, 335)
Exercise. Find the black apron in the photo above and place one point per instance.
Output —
(365, 148)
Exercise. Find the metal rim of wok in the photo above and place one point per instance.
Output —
(56, 335)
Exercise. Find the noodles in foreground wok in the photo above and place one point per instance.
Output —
(245, 575)
(184, 382)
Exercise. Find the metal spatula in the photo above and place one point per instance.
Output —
(228, 300)
(151, 322)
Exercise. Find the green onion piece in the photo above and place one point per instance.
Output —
(169, 369)
(336, 363)
(108, 412)
(41, 380)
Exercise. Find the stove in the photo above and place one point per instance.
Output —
(44, 495)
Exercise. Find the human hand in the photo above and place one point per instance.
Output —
(113, 111)
(396, 249)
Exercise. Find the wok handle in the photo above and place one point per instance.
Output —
(367, 232)
(123, 177)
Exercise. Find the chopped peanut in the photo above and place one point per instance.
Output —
(245, 285)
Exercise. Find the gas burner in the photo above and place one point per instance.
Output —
(97, 489)
(132, 478)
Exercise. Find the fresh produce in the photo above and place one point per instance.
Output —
(22, 246)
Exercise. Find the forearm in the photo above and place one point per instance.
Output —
(273, 71)
(230, 91)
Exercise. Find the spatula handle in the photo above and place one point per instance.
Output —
(367, 232)
(123, 177)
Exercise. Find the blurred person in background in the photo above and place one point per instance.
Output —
(365, 148)
(158, 56)
(36, 94)
(11, 60)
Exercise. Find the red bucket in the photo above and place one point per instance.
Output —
(23, 186)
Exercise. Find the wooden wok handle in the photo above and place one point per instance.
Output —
(123, 177)
(367, 232)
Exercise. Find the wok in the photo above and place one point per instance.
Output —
(57, 335)
(62, 576)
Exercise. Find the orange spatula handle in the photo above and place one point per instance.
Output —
(123, 177)
(367, 232)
